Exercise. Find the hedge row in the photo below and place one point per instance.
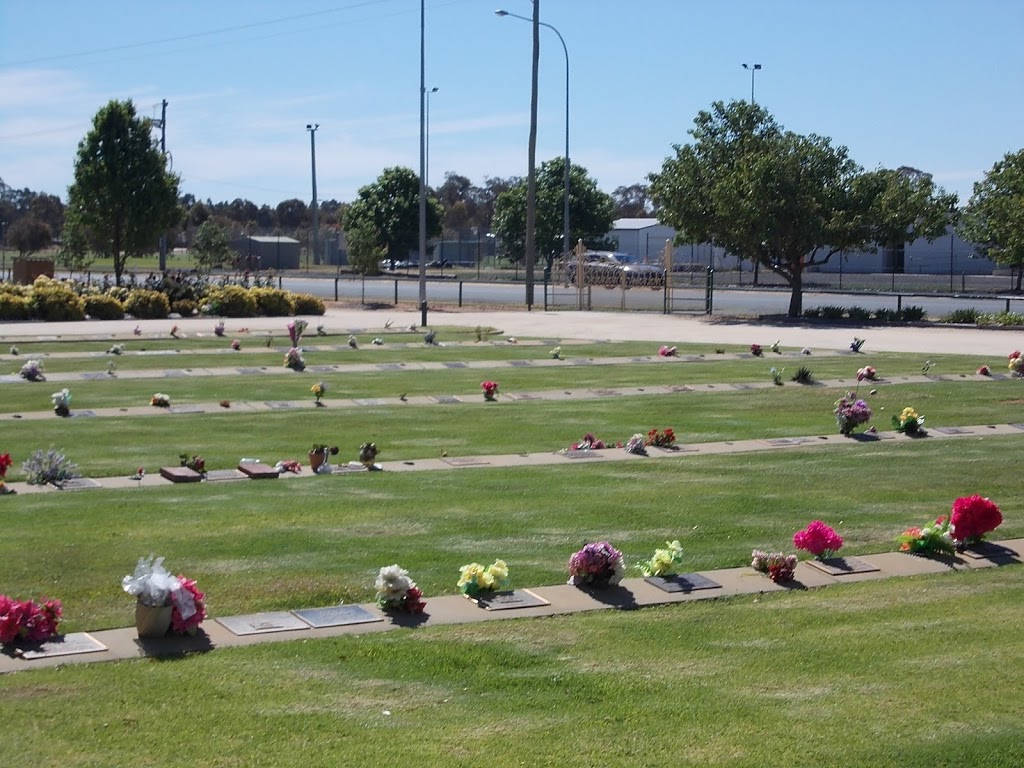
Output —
(52, 300)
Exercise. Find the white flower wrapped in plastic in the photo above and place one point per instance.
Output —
(151, 583)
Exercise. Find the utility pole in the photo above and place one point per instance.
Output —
(311, 127)
(531, 178)
(163, 151)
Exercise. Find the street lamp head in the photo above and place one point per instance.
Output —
(751, 66)
(312, 126)
(500, 12)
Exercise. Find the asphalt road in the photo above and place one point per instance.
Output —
(738, 301)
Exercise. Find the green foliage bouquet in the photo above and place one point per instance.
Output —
(664, 562)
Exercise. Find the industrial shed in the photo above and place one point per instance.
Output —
(261, 252)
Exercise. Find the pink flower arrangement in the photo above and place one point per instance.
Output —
(188, 607)
(972, 518)
(5, 462)
(776, 565)
(596, 565)
(490, 389)
(984, 371)
(665, 351)
(867, 372)
(236, 344)
(28, 620)
(819, 539)
(755, 350)
(589, 442)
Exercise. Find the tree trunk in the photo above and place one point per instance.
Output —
(796, 299)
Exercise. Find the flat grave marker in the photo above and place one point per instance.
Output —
(508, 600)
(336, 616)
(82, 414)
(180, 474)
(260, 623)
(520, 363)
(186, 409)
(371, 401)
(93, 376)
(258, 471)
(218, 475)
(842, 566)
(582, 453)
(465, 461)
(952, 430)
(683, 582)
(80, 483)
(454, 365)
(445, 399)
(280, 405)
(64, 645)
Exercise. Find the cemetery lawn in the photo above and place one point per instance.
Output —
(917, 672)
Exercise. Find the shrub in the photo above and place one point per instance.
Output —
(831, 313)
(146, 304)
(886, 315)
(185, 307)
(858, 314)
(48, 468)
(913, 314)
(1007, 318)
(273, 302)
(803, 375)
(969, 316)
(100, 306)
(53, 301)
(812, 313)
(307, 304)
(230, 301)
(13, 306)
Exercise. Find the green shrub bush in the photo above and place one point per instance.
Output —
(858, 314)
(102, 306)
(1006, 318)
(831, 312)
(307, 304)
(969, 316)
(230, 301)
(272, 302)
(53, 301)
(147, 305)
(185, 307)
(913, 314)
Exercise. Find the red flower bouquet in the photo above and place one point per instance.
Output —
(818, 539)
(490, 389)
(188, 607)
(972, 518)
(28, 620)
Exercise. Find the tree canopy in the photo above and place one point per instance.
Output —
(786, 201)
(383, 221)
(210, 246)
(994, 217)
(28, 235)
(590, 211)
(123, 197)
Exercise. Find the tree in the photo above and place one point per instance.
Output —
(786, 201)
(74, 250)
(123, 197)
(291, 214)
(28, 235)
(632, 202)
(994, 218)
(383, 221)
(210, 245)
(590, 211)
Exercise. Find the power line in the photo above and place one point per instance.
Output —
(208, 33)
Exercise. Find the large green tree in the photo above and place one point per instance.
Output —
(786, 201)
(123, 196)
(383, 221)
(590, 212)
(994, 218)
(210, 246)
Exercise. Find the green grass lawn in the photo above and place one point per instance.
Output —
(918, 672)
(911, 672)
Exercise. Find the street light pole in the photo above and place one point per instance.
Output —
(3, 248)
(423, 168)
(566, 246)
(311, 127)
(753, 68)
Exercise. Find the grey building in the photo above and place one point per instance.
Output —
(262, 252)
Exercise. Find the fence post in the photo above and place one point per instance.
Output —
(362, 296)
(335, 289)
(709, 292)
(396, 292)
(280, 283)
(1007, 306)
(899, 303)
(460, 295)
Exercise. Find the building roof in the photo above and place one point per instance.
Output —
(269, 239)
(635, 223)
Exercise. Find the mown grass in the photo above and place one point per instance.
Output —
(912, 672)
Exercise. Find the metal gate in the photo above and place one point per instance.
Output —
(585, 280)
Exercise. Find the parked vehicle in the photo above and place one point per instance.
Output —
(612, 269)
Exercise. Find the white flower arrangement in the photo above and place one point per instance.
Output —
(637, 444)
(397, 592)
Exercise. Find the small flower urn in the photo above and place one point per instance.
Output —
(152, 620)
(62, 410)
(368, 455)
(317, 459)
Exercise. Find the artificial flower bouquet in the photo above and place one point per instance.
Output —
(62, 402)
(637, 444)
(160, 400)
(293, 359)
(666, 351)
(972, 518)
(28, 620)
(490, 389)
(556, 353)
(909, 422)
(475, 579)
(777, 566)
(589, 442)
(195, 463)
(319, 390)
(856, 344)
(596, 565)
(850, 413)
(755, 350)
(658, 439)
(867, 372)
(5, 463)
(664, 562)
(32, 371)
(368, 455)
(932, 539)
(397, 592)
(236, 344)
(984, 370)
(154, 587)
(1016, 363)
(819, 539)
(218, 329)
(295, 330)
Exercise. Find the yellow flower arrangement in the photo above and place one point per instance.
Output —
(475, 578)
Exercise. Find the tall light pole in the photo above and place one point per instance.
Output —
(311, 127)
(426, 170)
(423, 167)
(753, 68)
(565, 182)
(3, 245)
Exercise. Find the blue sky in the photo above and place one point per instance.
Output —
(931, 84)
